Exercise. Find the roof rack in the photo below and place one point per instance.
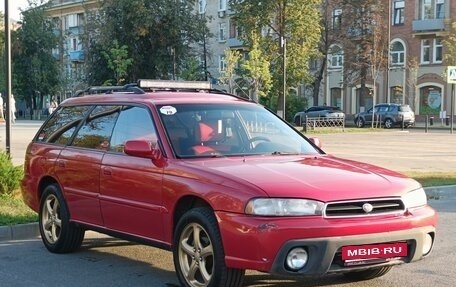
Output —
(128, 88)
(174, 85)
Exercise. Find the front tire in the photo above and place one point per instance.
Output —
(368, 274)
(198, 253)
(359, 122)
(58, 234)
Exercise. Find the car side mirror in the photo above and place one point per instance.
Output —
(317, 142)
(144, 148)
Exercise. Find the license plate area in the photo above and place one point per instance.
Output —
(373, 253)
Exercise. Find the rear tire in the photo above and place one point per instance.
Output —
(58, 234)
(389, 123)
(198, 253)
(367, 274)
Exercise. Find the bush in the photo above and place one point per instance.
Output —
(10, 175)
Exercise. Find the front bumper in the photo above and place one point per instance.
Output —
(262, 243)
(325, 253)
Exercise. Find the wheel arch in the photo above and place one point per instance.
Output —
(45, 181)
(184, 204)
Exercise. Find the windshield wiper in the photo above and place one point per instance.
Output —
(283, 153)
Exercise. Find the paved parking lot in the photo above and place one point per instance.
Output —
(409, 150)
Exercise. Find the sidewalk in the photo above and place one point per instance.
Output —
(31, 230)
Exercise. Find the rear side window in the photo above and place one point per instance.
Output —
(60, 128)
(134, 123)
(96, 131)
(392, 109)
(405, 109)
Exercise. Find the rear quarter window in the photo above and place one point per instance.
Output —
(60, 127)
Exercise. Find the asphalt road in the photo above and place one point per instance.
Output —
(105, 261)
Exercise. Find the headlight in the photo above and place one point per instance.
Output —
(283, 207)
(415, 198)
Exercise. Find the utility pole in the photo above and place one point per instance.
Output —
(284, 49)
(8, 78)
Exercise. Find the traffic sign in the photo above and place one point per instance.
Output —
(451, 75)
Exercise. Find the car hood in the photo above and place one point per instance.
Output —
(321, 177)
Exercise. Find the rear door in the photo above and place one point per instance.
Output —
(130, 187)
(78, 166)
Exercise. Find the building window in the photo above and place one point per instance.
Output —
(427, 12)
(202, 6)
(335, 57)
(337, 19)
(438, 50)
(425, 51)
(397, 53)
(397, 94)
(222, 32)
(336, 97)
(430, 100)
(222, 5)
(432, 9)
(399, 12)
(440, 9)
(222, 63)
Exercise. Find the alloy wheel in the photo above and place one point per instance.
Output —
(196, 255)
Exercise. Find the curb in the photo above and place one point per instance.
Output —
(19, 231)
(31, 230)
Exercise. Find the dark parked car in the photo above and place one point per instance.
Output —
(221, 182)
(328, 112)
(389, 115)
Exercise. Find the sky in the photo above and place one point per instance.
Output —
(14, 6)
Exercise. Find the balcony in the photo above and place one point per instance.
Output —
(76, 30)
(436, 27)
(77, 56)
(234, 42)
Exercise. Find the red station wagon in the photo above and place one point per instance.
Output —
(197, 172)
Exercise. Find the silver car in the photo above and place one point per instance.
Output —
(329, 112)
(389, 115)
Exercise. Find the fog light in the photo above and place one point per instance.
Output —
(427, 244)
(297, 258)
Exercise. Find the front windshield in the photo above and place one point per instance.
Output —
(196, 130)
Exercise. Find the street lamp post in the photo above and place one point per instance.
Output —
(283, 42)
(8, 78)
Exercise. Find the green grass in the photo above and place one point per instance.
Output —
(14, 211)
(433, 178)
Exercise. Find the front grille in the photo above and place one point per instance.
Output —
(367, 207)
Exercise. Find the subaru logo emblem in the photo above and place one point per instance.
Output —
(367, 207)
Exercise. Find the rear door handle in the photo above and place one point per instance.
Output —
(107, 171)
(61, 164)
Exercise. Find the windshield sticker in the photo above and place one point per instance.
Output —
(168, 110)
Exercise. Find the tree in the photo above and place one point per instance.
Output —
(34, 67)
(228, 75)
(257, 70)
(364, 23)
(412, 67)
(160, 35)
(449, 43)
(118, 61)
(192, 70)
(296, 20)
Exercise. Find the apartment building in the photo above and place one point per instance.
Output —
(415, 73)
(69, 17)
